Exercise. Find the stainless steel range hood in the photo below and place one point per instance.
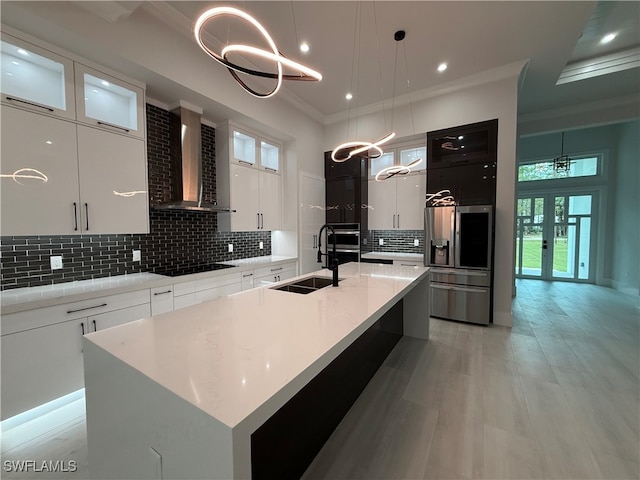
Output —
(186, 164)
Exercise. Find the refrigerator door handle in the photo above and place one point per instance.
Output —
(461, 289)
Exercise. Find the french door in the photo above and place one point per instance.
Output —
(555, 235)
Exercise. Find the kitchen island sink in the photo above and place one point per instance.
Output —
(305, 285)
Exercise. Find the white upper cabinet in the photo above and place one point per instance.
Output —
(36, 79)
(248, 180)
(397, 203)
(244, 147)
(251, 149)
(109, 103)
(113, 183)
(39, 182)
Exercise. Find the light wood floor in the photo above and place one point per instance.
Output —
(557, 396)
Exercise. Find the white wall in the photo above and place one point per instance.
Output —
(625, 271)
(494, 99)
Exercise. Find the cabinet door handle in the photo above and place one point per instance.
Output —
(11, 99)
(245, 163)
(95, 326)
(315, 242)
(258, 220)
(163, 293)
(247, 275)
(262, 221)
(82, 327)
(398, 220)
(75, 216)
(105, 124)
(86, 214)
(86, 308)
(394, 221)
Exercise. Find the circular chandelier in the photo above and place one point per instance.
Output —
(273, 54)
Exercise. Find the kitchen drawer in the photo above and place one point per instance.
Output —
(194, 286)
(205, 295)
(275, 269)
(480, 278)
(41, 317)
(463, 303)
(408, 263)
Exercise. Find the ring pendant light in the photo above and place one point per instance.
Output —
(273, 54)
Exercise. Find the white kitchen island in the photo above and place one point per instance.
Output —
(197, 392)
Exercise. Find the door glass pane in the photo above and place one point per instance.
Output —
(518, 263)
(412, 154)
(580, 205)
(564, 251)
(269, 155)
(30, 76)
(584, 248)
(112, 103)
(529, 231)
(384, 161)
(244, 147)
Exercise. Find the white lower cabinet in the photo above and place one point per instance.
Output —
(42, 348)
(197, 291)
(273, 274)
(161, 300)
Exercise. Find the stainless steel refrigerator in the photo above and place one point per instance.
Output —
(459, 250)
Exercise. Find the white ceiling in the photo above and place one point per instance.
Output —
(472, 37)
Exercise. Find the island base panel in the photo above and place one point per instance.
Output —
(285, 445)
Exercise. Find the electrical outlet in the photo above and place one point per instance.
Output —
(381, 241)
(230, 247)
(416, 242)
(136, 256)
(56, 262)
(261, 245)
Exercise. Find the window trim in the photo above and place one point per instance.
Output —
(395, 148)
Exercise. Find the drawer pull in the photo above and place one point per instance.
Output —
(82, 327)
(162, 293)
(247, 275)
(105, 124)
(86, 308)
(75, 216)
(276, 269)
(29, 103)
(95, 326)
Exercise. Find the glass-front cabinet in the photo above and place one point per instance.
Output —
(412, 155)
(108, 102)
(252, 150)
(36, 79)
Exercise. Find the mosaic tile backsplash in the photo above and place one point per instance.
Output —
(177, 238)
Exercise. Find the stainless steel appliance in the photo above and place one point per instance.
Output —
(347, 240)
(459, 250)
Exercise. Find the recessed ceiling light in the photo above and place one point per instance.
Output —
(608, 38)
(15, 62)
(49, 142)
(105, 83)
(22, 51)
(348, 96)
(304, 47)
(442, 67)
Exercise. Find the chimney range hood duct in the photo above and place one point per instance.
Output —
(186, 164)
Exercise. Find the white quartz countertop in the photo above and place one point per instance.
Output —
(414, 257)
(21, 299)
(231, 355)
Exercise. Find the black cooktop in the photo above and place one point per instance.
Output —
(189, 269)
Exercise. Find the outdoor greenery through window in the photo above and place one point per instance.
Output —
(580, 167)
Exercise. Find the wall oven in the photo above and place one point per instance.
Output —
(459, 250)
(347, 237)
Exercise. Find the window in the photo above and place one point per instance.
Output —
(580, 167)
(400, 154)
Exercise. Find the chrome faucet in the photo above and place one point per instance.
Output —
(334, 266)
